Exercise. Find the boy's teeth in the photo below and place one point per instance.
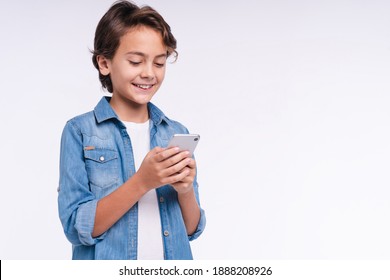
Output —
(144, 86)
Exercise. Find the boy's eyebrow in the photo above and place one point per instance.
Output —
(144, 55)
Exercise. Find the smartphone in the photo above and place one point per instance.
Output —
(186, 142)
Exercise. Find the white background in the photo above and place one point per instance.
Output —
(291, 99)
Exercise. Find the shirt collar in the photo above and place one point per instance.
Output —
(103, 111)
(155, 114)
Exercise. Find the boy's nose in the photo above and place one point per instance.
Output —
(147, 72)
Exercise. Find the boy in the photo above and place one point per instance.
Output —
(122, 195)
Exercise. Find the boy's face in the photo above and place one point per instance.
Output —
(138, 67)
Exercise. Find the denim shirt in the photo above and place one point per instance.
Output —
(96, 158)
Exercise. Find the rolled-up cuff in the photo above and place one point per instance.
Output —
(200, 228)
(85, 222)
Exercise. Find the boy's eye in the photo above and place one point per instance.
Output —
(159, 64)
(134, 62)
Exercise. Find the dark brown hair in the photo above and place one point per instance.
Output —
(122, 16)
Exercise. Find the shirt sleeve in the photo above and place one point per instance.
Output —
(202, 221)
(76, 203)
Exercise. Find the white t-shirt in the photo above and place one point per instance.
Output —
(150, 243)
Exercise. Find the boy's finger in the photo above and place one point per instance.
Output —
(167, 153)
(176, 158)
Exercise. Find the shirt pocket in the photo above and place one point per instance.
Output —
(102, 167)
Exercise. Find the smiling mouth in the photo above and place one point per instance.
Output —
(143, 86)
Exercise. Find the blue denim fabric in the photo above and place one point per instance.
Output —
(96, 158)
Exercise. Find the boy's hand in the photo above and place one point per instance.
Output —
(185, 185)
(162, 166)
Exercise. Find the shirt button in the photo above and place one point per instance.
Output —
(161, 199)
(166, 233)
(101, 158)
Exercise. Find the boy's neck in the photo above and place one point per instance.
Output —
(130, 111)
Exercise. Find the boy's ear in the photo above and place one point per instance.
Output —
(104, 65)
